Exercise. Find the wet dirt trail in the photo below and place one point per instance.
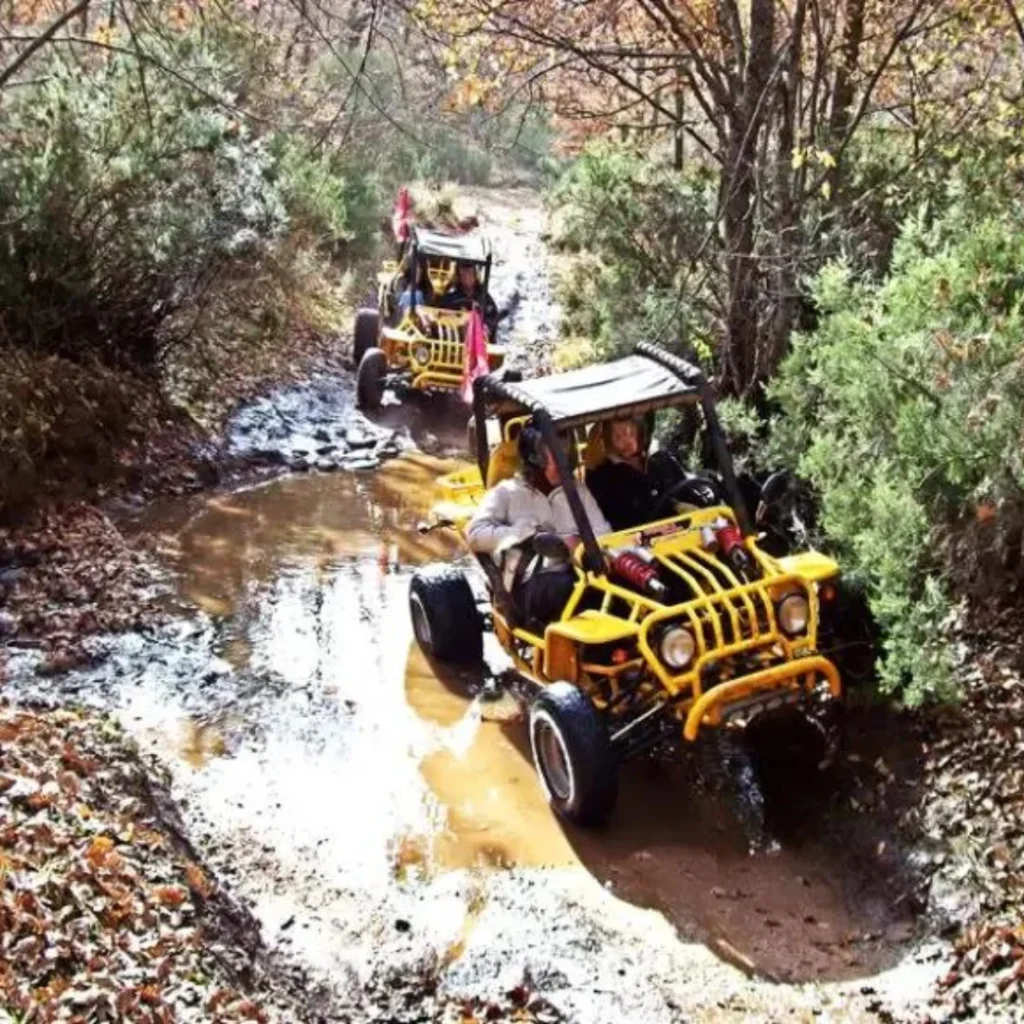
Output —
(379, 818)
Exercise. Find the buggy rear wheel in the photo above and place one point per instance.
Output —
(445, 619)
(573, 755)
(373, 368)
(365, 334)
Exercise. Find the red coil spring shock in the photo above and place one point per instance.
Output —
(633, 569)
(728, 536)
(729, 539)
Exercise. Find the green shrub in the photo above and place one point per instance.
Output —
(633, 229)
(905, 409)
(337, 205)
(120, 205)
(143, 225)
(113, 215)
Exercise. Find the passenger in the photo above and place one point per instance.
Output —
(530, 503)
(466, 292)
(620, 483)
(421, 293)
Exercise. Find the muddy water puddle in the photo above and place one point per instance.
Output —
(376, 802)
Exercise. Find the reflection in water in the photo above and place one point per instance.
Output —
(236, 543)
(356, 762)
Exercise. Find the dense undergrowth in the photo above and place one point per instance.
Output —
(183, 201)
(905, 409)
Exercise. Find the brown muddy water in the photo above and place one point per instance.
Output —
(374, 812)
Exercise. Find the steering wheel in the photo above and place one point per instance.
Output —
(701, 491)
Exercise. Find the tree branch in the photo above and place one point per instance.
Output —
(1011, 7)
(41, 40)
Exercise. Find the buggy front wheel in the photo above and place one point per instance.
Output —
(445, 619)
(365, 334)
(573, 755)
(373, 368)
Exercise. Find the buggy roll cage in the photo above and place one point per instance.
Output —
(492, 387)
(426, 244)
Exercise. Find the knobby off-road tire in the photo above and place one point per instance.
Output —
(445, 618)
(366, 333)
(573, 755)
(373, 368)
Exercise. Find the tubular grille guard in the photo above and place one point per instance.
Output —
(730, 611)
(725, 620)
(446, 352)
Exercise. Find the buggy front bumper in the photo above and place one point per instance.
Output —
(781, 684)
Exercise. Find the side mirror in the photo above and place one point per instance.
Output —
(550, 545)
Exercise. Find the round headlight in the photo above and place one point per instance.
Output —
(793, 613)
(421, 354)
(677, 647)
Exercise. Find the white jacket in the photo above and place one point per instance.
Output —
(513, 511)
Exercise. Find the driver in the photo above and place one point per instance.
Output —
(466, 291)
(632, 487)
(529, 503)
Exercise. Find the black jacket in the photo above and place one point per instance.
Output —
(623, 492)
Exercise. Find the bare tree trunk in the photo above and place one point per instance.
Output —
(843, 84)
(679, 153)
(740, 187)
(307, 31)
(788, 235)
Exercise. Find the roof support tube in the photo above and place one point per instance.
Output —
(415, 283)
(483, 451)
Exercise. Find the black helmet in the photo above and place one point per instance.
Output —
(533, 450)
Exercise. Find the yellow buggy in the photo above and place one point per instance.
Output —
(412, 340)
(682, 627)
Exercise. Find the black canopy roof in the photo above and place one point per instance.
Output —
(467, 248)
(647, 380)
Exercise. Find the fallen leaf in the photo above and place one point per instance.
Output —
(99, 850)
(170, 895)
(197, 880)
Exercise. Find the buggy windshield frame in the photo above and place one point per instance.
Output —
(428, 244)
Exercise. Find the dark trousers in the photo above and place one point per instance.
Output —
(544, 595)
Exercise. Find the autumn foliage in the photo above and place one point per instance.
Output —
(770, 98)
